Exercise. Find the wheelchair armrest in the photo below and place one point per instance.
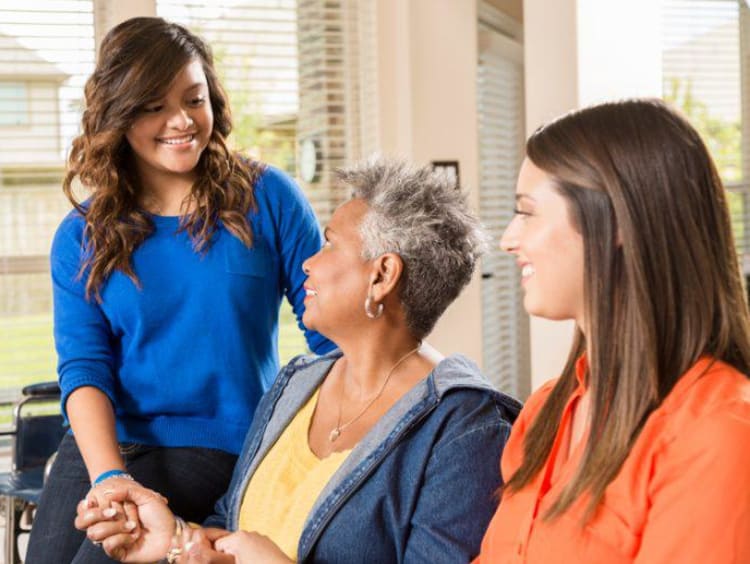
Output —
(41, 389)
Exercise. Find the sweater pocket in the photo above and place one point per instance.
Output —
(255, 261)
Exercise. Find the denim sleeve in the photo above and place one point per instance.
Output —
(82, 333)
(458, 497)
(221, 511)
(299, 237)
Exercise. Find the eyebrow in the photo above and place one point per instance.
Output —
(520, 197)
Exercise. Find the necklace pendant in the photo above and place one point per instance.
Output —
(335, 434)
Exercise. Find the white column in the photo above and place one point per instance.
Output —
(579, 52)
(108, 13)
(427, 84)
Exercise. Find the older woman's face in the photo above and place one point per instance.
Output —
(337, 276)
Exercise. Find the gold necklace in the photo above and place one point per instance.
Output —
(336, 432)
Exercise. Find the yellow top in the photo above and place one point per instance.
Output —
(286, 484)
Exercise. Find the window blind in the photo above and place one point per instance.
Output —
(701, 70)
(505, 326)
(254, 43)
(46, 54)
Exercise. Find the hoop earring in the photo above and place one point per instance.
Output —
(368, 309)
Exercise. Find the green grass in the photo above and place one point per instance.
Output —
(291, 340)
(27, 352)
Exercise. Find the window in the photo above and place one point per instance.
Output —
(701, 70)
(254, 43)
(14, 104)
(701, 73)
(46, 53)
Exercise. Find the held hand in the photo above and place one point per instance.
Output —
(251, 548)
(115, 531)
(97, 497)
(199, 548)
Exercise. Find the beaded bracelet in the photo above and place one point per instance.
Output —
(175, 550)
(111, 474)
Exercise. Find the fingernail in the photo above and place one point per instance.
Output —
(89, 515)
(109, 512)
(188, 546)
(129, 525)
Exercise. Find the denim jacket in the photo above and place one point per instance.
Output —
(421, 486)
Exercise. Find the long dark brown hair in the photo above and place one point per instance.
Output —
(662, 284)
(138, 60)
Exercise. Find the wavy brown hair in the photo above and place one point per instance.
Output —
(138, 60)
(662, 284)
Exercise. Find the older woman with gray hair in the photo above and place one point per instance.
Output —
(381, 451)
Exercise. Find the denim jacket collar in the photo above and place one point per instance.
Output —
(289, 394)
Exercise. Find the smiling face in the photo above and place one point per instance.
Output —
(549, 250)
(169, 134)
(338, 276)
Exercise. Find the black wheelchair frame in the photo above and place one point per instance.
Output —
(34, 442)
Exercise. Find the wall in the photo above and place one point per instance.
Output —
(427, 85)
(578, 52)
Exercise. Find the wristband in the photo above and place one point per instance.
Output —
(176, 548)
(111, 474)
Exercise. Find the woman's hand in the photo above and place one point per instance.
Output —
(117, 533)
(251, 548)
(97, 497)
(199, 548)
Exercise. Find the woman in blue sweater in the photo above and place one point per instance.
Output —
(167, 284)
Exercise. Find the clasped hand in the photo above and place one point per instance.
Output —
(134, 524)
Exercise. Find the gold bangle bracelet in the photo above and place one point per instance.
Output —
(175, 550)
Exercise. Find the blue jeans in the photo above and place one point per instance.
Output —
(191, 478)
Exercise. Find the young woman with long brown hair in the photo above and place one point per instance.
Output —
(640, 451)
(167, 283)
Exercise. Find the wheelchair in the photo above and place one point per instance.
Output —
(34, 442)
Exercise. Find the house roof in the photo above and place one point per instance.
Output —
(19, 62)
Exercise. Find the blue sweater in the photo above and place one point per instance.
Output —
(186, 358)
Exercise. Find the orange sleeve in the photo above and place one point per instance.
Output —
(700, 494)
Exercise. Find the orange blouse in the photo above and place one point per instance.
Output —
(682, 495)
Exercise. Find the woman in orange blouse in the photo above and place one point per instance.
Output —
(640, 451)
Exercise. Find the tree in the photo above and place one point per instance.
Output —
(722, 137)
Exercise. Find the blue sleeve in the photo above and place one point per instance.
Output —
(452, 531)
(298, 237)
(82, 333)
